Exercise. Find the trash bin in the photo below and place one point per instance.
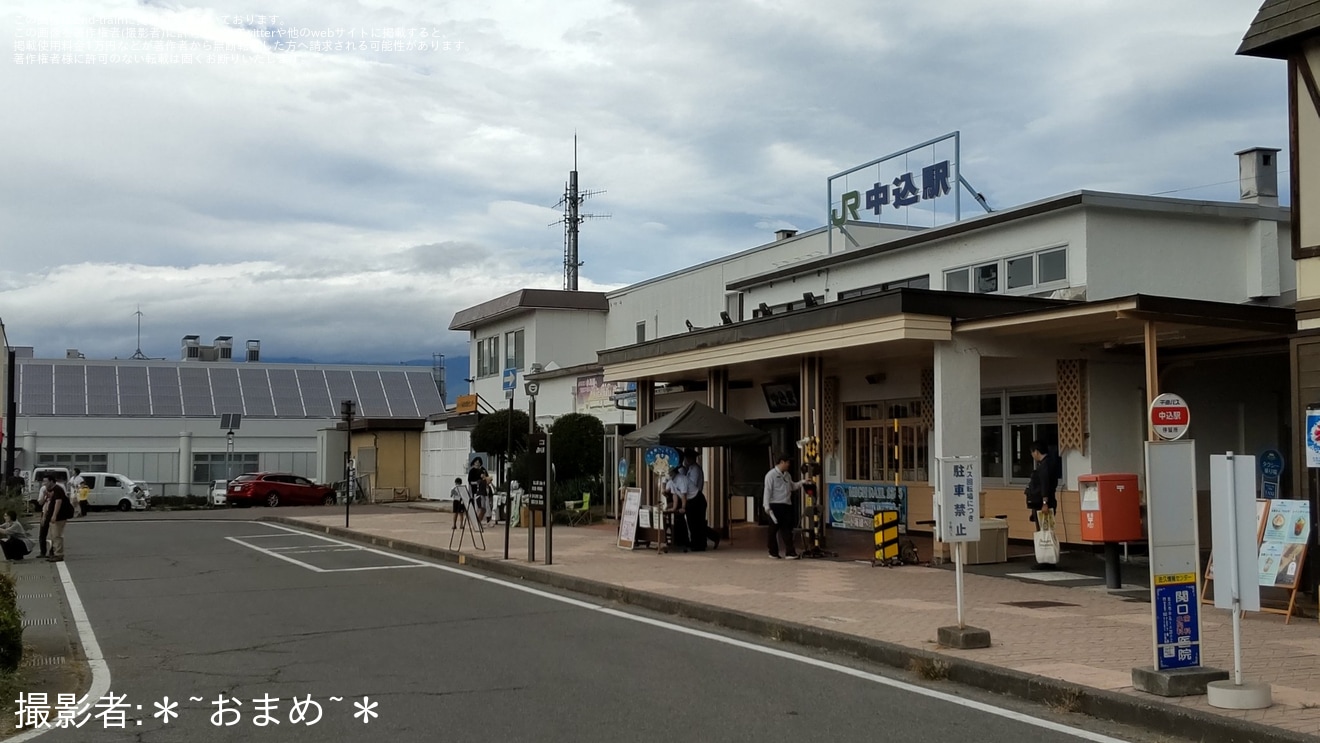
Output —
(992, 547)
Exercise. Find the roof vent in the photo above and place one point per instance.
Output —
(253, 351)
(1258, 176)
(784, 234)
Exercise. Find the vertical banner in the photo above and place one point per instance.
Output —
(1174, 553)
(1271, 472)
(1312, 437)
(959, 518)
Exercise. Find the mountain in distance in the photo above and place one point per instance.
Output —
(456, 369)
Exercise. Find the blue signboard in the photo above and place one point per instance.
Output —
(855, 506)
(1271, 470)
(1312, 437)
(1177, 622)
(623, 469)
(510, 380)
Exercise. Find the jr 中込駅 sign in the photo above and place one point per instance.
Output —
(917, 186)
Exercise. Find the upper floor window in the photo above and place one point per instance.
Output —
(488, 356)
(916, 282)
(1019, 274)
(641, 332)
(513, 350)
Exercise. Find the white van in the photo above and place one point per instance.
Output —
(111, 490)
(61, 476)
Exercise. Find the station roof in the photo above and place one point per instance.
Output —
(527, 299)
(1279, 26)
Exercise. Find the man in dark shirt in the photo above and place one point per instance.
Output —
(1041, 490)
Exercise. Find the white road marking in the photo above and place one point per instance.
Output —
(91, 648)
(776, 652)
(343, 547)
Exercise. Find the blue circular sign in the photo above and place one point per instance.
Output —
(623, 469)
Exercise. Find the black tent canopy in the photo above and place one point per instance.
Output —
(696, 425)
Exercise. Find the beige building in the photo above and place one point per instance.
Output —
(1290, 30)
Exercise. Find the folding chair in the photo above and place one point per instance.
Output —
(579, 512)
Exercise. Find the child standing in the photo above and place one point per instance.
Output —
(460, 497)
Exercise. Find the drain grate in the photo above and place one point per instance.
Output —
(1037, 604)
(35, 595)
(42, 622)
(43, 660)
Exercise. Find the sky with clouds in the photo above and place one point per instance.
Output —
(342, 205)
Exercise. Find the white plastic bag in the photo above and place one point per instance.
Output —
(1047, 544)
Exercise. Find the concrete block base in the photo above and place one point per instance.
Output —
(1228, 695)
(964, 638)
(1181, 682)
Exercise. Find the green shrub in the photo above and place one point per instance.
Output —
(11, 626)
(576, 446)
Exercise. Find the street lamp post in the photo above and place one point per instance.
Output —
(229, 458)
(346, 409)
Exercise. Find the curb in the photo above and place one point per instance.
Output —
(1151, 715)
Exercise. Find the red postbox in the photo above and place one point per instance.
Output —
(1110, 508)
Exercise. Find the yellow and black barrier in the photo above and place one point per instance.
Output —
(886, 537)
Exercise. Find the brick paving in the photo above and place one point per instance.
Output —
(1090, 638)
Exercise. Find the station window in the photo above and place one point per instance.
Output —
(641, 332)
(513, 350)
(1019, 274)
(85, 462)
(1010, 422)
(211, 467)
(488, 356)
(885, 441)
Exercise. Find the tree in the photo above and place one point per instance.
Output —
(576, 446)
(492, 433)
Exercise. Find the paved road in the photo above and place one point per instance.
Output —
(200, 608)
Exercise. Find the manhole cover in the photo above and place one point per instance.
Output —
(1037, 604)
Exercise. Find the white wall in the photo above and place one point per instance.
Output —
(555, 339)
(1116, 415)
(444, 457)
(1056, 229)
(1173, 255)
(698, 293)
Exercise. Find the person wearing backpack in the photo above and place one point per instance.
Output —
(61, 510)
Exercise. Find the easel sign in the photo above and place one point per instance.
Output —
(632, 505)
(1283, 549)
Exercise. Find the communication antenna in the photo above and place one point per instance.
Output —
(571, 202)
(138, 353)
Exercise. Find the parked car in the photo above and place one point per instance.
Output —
(61, 476)
(278, 489)
(113, 490)
(217, 495)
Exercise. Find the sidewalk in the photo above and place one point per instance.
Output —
(1081, 636)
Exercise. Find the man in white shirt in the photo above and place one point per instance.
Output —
(778, 503)
(693, 488)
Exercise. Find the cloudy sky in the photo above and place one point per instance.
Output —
(342, 205)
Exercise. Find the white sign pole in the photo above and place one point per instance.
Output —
(959, 549)
(1235, 580)
(1232, 491)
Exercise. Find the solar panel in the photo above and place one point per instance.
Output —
(371, 396)
(285, 394)
(102, 390)
(195, 387)
(256, 392)
(164, 384)
(398, 394)
(426, 394)
(225, 392)
(37, 394)
(316, 400)
(70, 390)
(134, 396)
(341, 387)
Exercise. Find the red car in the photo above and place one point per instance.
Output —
(278, 489)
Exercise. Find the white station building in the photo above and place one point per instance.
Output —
(896, 345)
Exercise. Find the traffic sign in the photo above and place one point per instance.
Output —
(1170, 416)
(510, 382)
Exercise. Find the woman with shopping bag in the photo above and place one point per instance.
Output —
(1043, 503)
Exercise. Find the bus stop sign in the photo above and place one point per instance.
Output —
(1169, 417)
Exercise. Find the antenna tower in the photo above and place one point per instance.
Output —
(138, 353)
(571, 203)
